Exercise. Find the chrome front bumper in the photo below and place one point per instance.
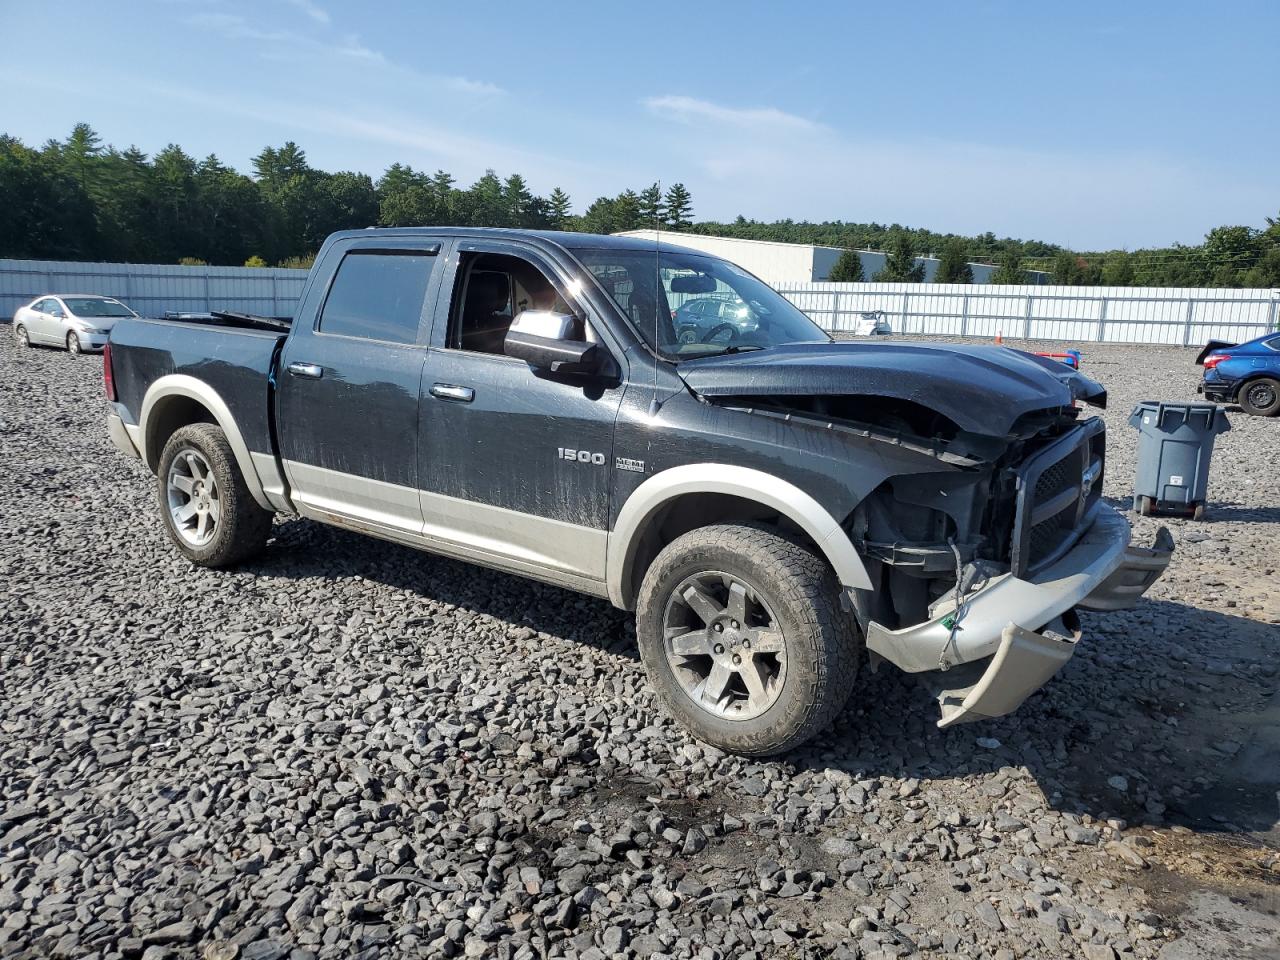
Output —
(1012, 635)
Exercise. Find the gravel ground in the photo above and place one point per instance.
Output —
(349, 749)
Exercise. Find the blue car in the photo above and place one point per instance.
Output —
(1245, 373)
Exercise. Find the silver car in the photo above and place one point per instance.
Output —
(76, 321)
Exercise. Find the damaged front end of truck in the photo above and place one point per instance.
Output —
(977, 568)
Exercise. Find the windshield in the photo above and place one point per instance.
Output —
(685, 305)
(96, 307)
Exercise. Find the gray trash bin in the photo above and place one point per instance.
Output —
(1175, 444)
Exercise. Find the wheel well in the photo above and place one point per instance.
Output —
(1251, 377)
(169, 415)
(679, 515)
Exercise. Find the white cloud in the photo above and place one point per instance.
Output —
(281, 44)
(691, 110)
(312, 10)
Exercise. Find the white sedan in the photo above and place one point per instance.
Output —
(76, 321)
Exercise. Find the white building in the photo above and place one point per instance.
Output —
(776, 262)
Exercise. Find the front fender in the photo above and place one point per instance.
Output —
(755, 485)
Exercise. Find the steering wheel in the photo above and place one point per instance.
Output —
(711, 334)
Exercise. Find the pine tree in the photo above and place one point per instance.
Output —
(900, 265)
(626, 211)
(516, 197)
(1010, 269)
(952, 265)
(847, 269)
(559, 208)
(652, 210)
(1117, 269)
(679, 207)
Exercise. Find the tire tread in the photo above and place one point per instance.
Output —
(806, 584)
(243, 525)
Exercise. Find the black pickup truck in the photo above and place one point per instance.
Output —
(767, 500)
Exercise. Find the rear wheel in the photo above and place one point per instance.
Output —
(742, 636)
(207, 509)
(1146, 506)
(1198, 513)
(73, 343)
(1261, 397)
(24, 339)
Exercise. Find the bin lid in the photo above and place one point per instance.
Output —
(1211, 415)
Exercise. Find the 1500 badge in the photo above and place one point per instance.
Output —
(580, 456)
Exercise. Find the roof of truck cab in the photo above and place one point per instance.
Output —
(561, 238)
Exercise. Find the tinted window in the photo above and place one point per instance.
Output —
(97, 307)
(648, 286)
(377, 296)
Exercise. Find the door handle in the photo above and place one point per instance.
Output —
(309, 371)
(447, 391)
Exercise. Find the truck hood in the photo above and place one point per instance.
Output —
(982, 389)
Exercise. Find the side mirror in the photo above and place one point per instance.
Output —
(542, 338)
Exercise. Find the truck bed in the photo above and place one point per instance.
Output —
(235, 361)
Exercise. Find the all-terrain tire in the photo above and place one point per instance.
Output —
(1261, 397)
(242, 527)
(822, 643)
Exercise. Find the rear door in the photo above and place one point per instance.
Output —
(515, 464)
(348, 384)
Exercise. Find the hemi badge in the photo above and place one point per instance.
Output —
(625, 463)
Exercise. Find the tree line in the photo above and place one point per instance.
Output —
(1230, 256)
(78, 199)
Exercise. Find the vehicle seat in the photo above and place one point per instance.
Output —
(484, 320)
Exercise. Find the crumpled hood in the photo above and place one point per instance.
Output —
(983, 389)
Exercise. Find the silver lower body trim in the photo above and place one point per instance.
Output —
(120, 436)
(552, 551)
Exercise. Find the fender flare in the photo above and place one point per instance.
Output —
(745, 482)
(181, 385)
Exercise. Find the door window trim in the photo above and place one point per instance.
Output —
(385, 247)
(554, 273)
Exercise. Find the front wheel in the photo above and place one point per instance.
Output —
(742, 636)
(73, 343)
(1261, 397)
(207, 509)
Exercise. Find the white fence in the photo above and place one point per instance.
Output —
(1100, 314)
(154, 289)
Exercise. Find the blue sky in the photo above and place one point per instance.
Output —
(1094, 125)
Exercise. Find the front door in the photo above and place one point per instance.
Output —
(348, 386)
(515, 464)
(47, 327)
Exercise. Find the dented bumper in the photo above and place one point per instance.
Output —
(1010, 636)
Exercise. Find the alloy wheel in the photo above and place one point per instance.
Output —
(724, 645)
(193, 497)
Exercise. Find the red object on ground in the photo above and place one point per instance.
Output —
(1071, 358)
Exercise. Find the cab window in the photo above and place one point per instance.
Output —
(378, 295)
(491, 291)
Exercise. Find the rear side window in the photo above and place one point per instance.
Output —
(378, 295)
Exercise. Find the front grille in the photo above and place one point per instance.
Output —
(1057, 485)
(1053, 481)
